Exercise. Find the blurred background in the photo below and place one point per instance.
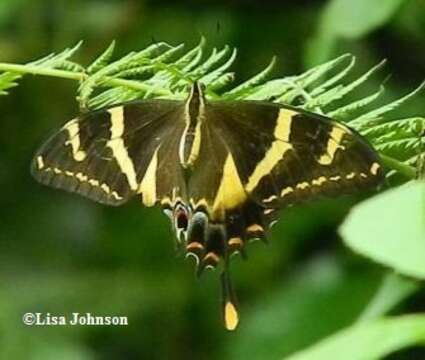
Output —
(60, 253)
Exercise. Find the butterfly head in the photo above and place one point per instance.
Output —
(197, 89)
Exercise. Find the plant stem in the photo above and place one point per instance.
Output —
(78, 76)
(399, 166)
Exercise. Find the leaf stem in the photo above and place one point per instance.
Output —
(79, 76)
(399, 166)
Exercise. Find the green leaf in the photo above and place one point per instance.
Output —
(369, 340)
(348, 19)
(355, 19)
(390, 229)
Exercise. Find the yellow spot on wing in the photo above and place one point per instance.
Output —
(303, 185)
(230, 192)
(319, 181)
(93, 182)
(40, 162)
(105, 188)
(276, 151)
(84, 179)
(81, 177)
(212, 256)
(255, 228)
(231, 316)
(73, 129)
(286, 191)
(334, 143)
(116, 196)
(350, 176)
(235, 241)
(374, 168)
(270, 199)
(148, 185)
(116, 143)
(194, 245)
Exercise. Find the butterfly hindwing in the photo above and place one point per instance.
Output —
(105, 155)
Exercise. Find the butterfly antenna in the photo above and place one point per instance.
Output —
(230, 312)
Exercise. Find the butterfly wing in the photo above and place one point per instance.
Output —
(284, 155)
(111, 155)
(256, 158)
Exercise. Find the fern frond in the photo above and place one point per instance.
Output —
(161, 70)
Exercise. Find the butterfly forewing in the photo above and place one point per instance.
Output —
(105, 155)
(284, 155)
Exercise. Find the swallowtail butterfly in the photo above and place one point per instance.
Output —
(220, 170)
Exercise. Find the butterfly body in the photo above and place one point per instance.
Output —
(220, 170)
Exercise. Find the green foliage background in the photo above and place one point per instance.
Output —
(62, 254)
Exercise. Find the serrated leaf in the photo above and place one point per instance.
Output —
(312, 75)
(244, 88)
(55, 60)
(346, 110)
(8, 80)
(221, 82)
(376, 114)
(212, 76)
(102, 60)
(195, 53)
(195, 60)
(330, 96)
(334, 79)
(271, 89)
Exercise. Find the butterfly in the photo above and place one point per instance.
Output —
(220, 170)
